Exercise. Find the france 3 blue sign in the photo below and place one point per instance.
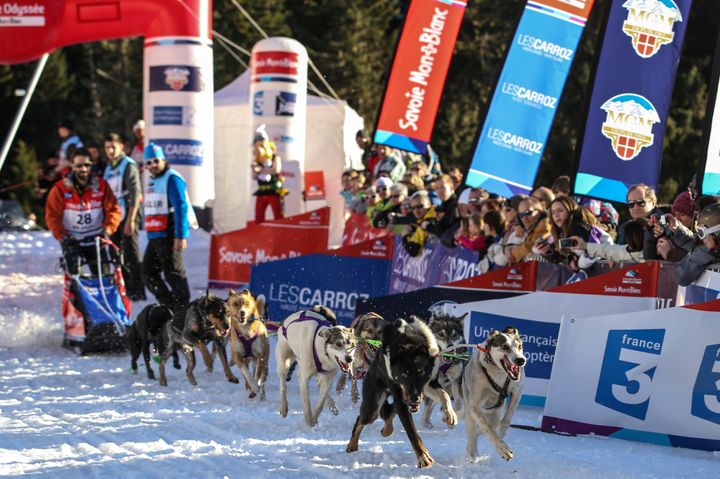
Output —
(338, 282)
(706, 393)
(539, 339)
(623, 140)
(628, 367)
(183, 78)
(511, 142)
(182, 152)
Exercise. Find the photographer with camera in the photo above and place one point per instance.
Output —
(535, 223)
(632, 251)
(708, 231)
(668, 238)
(425, 223)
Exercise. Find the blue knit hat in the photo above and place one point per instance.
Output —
(154, 151)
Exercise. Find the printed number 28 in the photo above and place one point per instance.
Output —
(84, 219)
(638, 375)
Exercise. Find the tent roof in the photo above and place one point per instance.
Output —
(237, 92)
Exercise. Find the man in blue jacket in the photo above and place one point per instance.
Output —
(167, 211)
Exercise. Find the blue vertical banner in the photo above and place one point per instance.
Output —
(512, 139)
(623, 139)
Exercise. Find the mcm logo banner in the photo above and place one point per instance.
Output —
(628, 125)
(650, 24)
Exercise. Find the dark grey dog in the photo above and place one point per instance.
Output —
(204, 320)
(146, 330)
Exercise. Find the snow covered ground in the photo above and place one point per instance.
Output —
(68, 416)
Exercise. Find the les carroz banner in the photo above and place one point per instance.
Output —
(418, 74)
(623, 139)
(512, 139)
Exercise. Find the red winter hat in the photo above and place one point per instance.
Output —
(683, 204)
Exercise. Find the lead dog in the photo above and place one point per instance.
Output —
(249, 342)
(403, 371)
(146, 330)
(203, 320)
(368, 326)
(494, 373)
(448, 332)
(320, 350)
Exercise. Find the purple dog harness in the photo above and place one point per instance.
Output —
(320, 323)
(247, 343)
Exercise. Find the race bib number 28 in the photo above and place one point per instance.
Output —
(629, 364)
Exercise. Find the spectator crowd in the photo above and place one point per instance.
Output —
(408, 195)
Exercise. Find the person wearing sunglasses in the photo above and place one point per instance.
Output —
(384, 204)
(400, 213)
(425, 223)
(168, 216)
(641, 203)
(81, 207)
(123, 176)
(537, 227)
(705, 254)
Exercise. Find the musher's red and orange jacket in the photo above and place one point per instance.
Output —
(71, 213)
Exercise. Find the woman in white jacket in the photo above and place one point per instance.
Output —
(630, 252)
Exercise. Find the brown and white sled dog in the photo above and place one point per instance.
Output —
(448, 332)
(368, 326)
(320, 350)
(249, 344)
(494, 373)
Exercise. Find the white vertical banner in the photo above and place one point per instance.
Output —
(278, 95)
(651, 376)
(178, 108)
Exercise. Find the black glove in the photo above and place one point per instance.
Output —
(68, 242)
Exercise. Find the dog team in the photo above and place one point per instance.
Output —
(402, 363)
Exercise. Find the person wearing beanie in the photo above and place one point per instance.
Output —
(168, 217)
(683, 208)
(670, 236)
(380, 210)
(266, 171)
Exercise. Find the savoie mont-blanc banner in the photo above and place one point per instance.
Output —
(710, 175)
(418, 74)
(512, 139)
(623, 139)
(650, 376)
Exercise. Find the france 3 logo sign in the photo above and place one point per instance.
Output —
(259, 103)
(628, 125)
(628, 368)
(706, 393)
(285, 103)
(650, 24)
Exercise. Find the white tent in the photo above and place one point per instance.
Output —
(329, 147)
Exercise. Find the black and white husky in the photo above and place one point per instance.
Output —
(494, 373)
(403, 371)
(448, 332)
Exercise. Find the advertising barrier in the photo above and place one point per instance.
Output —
(502, 283)
(337, 279)
(537, 316)
(358, 229)
(436, 265)
(652, 376)
(705, 288)
(233, 254)
(623, 139)
(416, 81)
(512, 139)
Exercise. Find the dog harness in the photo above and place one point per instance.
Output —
(502, 393)
(247, 343)
(320, 323)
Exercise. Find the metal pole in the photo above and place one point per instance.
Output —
(21, 110)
